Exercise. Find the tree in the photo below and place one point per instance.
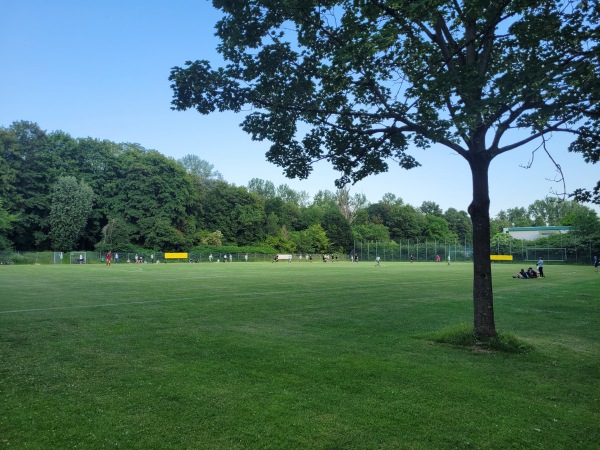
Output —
(238, 214)
(459, 224)
(312, 215)
(358, 82)
(312, 240)
(214, 238)
(286, 213)
(391, 200)
(435, 227)
(289, 195)
(71, 208)
(325, 199)
(379, 213)
(406, 222)
(585, 223)
(431, 208)
(338, 230)
(26, 170)
(116, 235)
(518, 217)
(263, 188)
(371, 232)
(195, 165)
(503, 243)
(152, 193)
(6, 221)
(350, 205)
(95, 162)
(281, 243)
(585, 195)
(552, 210)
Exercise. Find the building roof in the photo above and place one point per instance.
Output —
(554, 228)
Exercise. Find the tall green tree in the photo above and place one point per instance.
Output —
(71, 207)
(435, 227)
(116, 235)
(197, 166)
(350, 205)
(152, 193)
(311, 215)
(553, 211)
(287, 213)
(517, 217)
(95, 162)
(235, 212)
(359, 82)
(312, 240)
(428, 207)
(371, 232)
(325, 199)
(27, 175)
(263, 188)
(406, 222)
(291, 196)
(380, 213)
(338, 230)
(6, 221)
(459, 224)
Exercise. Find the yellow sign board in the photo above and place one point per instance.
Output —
(176, 255)
(501, 257)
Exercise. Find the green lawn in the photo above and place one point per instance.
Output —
(285, 356)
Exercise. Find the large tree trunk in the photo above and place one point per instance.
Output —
(479, 210)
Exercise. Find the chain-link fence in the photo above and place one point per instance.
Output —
(95, 257)
(416, 250)
(425, 250)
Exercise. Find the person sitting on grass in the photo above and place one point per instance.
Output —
(531, 273)
(521, 274)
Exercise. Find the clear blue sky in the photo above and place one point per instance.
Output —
(100, 69)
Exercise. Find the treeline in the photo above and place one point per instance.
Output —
(62, 193)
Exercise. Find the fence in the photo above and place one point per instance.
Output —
(420, 250)
(427, 251)
(416, 250)
(95, 257)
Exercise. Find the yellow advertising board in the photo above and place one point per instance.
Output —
(501, 257)
(176, 255)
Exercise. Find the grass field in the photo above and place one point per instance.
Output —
(285, 356)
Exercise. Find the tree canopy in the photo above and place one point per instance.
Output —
(71, 207)
(143, 200)
(360, 83)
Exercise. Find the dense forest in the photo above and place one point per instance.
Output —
(62, 193)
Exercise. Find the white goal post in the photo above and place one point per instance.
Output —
(547, 254)
(78, 257)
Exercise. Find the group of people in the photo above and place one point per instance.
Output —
(137, 259)
(225, 258)
(531, 273)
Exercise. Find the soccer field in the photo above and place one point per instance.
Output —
(300, 355)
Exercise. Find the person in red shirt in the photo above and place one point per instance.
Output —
(108, 258)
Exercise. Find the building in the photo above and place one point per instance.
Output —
(533, 233)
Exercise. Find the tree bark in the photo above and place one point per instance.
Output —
(479, 210)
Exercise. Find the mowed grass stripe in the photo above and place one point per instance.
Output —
(263, 355)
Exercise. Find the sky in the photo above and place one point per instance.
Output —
(100, 69)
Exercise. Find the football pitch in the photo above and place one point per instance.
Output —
(300, 355)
